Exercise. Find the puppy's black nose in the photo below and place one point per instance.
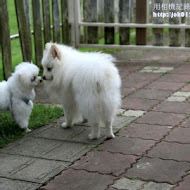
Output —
(44, 77)
(41, 80)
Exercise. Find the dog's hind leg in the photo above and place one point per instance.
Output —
(95, 131)
(109, 130)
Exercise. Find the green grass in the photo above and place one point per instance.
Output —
(41, 115)
(103, 50)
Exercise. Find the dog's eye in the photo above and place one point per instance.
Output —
(49, 69)
(33, 79)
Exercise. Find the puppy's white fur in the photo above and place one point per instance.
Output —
(86, 83)
(17, 93)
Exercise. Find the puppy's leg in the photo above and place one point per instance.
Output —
(95, 131)
(109, 130)
(68, 119)
(68, 116)
(21, 113)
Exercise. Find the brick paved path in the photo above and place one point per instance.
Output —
(151, 150)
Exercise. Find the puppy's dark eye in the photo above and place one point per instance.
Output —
(33, 79)
(49, 69)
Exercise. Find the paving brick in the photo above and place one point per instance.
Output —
(122, 121)
(174, 107)
(105, 163)
(34, 147)
(185, 184)
(80, 133)
(126, 91)
(39, 171)
(135, 84)
(157, 186)
(79, 180)
(133, 113)
(181, 78)
(76, 133)
(186, 123)
(164, 171)
(181, 135)
(143, 76)
(138, 104)
(173, 86)
(176, 99)
(154, 69)
(160, 118)
(11, 163)
(127, 146)
(125, 183)
(152, 94)
(174, 151)
(181, 94)
(186, 88)
(63, 153)
(183, 69)
(144, 131)
(10, 184)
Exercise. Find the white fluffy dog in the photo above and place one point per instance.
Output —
(88, 84)
(17, 93)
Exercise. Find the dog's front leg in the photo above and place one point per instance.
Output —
(68, 118)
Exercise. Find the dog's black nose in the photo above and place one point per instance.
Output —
(41, 80)
(44, 77)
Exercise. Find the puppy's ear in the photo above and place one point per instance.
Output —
(23, 78)
(55, 52)
(48, 46)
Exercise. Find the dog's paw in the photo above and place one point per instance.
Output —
(27, 130)
(30, 103)
(110, 136)
(65, 125)
(93, 137)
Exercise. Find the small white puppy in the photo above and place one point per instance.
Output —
(86, 83)
(17, 93)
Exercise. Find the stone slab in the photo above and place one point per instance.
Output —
(186, 123)
(128, 146)
(10, 184)
(143, 76)
(124, 183)
(176, 99)
(68, 151)
(133, 113)
(138, 104)
(105, 163)
(157, 186)
(144, 131)
(181, 78)
(79, 180)
(152, 94)
(174, 107)
(12, 163)
(160, 118)
(34, 147)
(135, 184)
(157, 170)
(174, 151)
(165, 85)
(180, 135)
(135, 84)
(185, 184)
(40, 170)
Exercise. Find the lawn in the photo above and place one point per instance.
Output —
(41, 115)
(15, 44)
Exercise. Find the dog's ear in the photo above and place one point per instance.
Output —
(55, 52)
(48, 46)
